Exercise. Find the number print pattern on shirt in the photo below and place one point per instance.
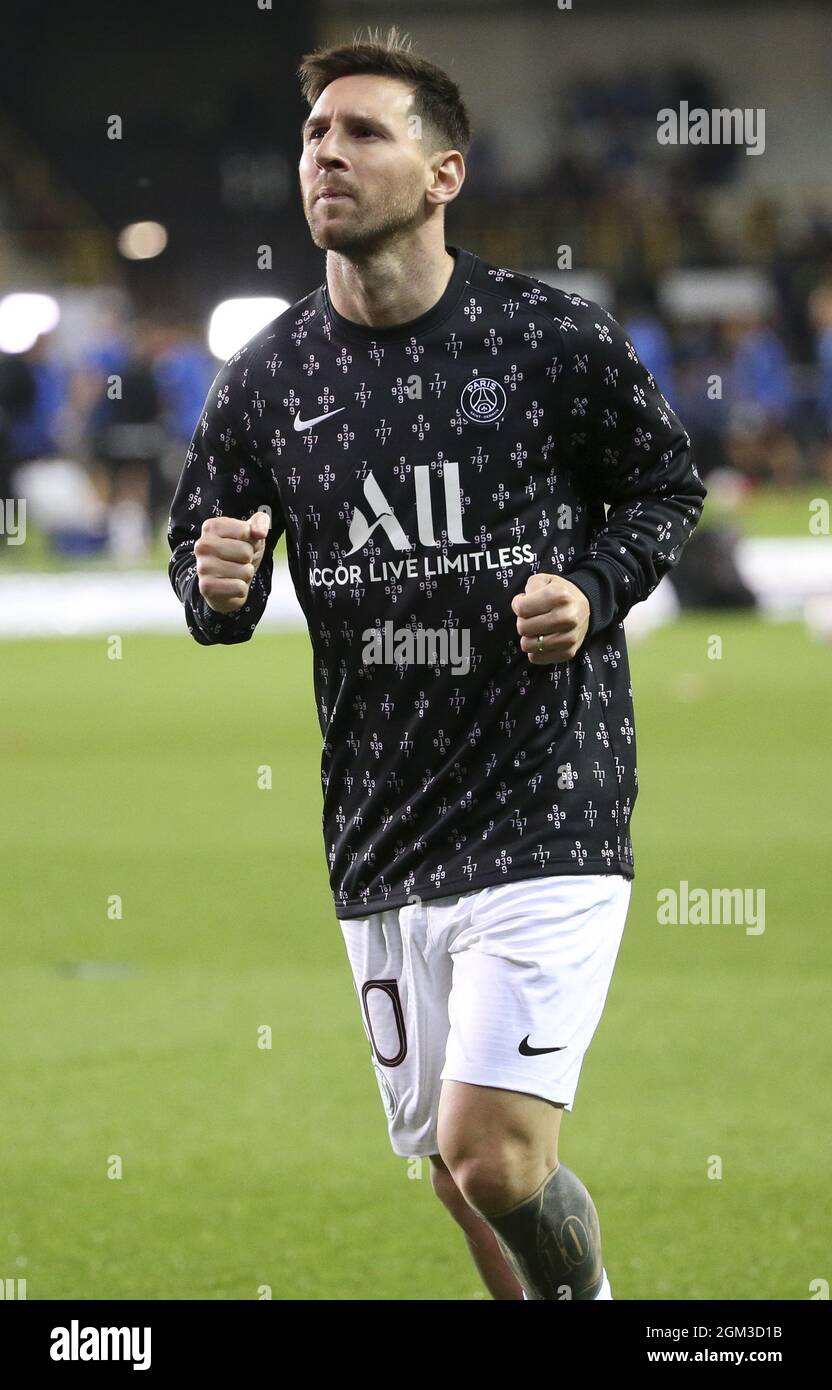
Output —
(421, 474)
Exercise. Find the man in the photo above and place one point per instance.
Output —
(437, 437)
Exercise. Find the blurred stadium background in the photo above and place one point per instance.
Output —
(137, 1035)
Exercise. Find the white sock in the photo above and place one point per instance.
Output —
(605, 1292)
(128, 529)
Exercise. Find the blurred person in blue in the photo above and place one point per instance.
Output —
(17, 392)
(33, 426)
(820, 314)
(649, 337)
(118, 396)
(760, 396)
(184, 369)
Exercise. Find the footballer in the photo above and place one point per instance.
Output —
(477, 478)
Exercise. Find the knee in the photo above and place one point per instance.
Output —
(443, 1184)
(494, 1179)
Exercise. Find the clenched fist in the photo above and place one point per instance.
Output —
(228, 555)
(552, 618)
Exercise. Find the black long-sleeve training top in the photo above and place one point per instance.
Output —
(422, 473)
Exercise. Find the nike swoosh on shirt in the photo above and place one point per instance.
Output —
(527, 1051)
(316, 419)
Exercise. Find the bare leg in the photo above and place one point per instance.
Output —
(501, 1149)
(495, 1272)
(102, 482)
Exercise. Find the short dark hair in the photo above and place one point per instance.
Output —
(436, 98)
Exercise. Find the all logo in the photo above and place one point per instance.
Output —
(483, 400)
(360, 529)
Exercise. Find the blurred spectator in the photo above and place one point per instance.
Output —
(760, 394)
(184, 370)
(820, 312)
(650, 339)
(125, 432)
(17, 394)
(34, 428)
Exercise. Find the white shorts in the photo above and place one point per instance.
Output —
(503, 986)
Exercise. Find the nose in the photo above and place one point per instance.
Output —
(326, 151)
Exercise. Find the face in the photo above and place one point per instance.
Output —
(359, 142)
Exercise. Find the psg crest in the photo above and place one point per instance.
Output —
(483, 400)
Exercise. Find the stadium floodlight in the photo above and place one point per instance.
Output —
(141, 241)
(234, 321)
(23, 317)
(716, 293)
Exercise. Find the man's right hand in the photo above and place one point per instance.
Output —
(228, 555)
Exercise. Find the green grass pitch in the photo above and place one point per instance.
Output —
(245, 1167)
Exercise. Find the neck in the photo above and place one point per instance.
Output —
(389, 285)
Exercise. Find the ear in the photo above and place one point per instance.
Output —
(447, 168)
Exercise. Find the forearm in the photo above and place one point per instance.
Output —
(632, 452)
(640, 542)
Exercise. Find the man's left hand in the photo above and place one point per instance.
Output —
(554, 610)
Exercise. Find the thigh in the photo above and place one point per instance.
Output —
(477, 1119)
(402, 981)
(531, 972)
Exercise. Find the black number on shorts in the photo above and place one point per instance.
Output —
(391, 989)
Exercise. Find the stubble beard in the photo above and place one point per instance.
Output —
(368, 232)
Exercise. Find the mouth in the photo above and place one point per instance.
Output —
(330, 195)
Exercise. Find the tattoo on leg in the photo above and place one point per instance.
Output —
(552, 1239)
